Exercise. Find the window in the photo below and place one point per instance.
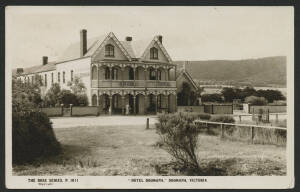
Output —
(109, 51)
(152, 74)
(52, 78)
(94, 73)
(153, 53)
(158, 75)
(45, 79)
(115, 74)
(71, 75)
(107, 73)
(58, 77)
(41, 80)
(64, 77)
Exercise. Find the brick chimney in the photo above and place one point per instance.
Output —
(160, 38)
(20, 70)
(45, 60)
(128, 39)
(83, 42)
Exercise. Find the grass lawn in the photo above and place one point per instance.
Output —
(132, 150)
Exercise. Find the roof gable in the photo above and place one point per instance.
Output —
(111, 36)
(188, 77)
(154, 42)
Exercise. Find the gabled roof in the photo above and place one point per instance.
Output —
(188, 76)
(111, 35)
(155, 40)
(132, 50)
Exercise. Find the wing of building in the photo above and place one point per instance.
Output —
(121, 76)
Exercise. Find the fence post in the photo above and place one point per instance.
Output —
(147, 123)
(71, 107)
(222, 131)
(212, 109)
(276, 117)
(252, 134)
(240, 118)
(268, 116)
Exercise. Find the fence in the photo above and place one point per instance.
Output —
(85, 111)
(71, 111)
(271, 108)
(257, 134)
(52, 111)
(211, 109)
(199, 109)
(272, 116)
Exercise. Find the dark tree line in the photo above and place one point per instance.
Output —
(229, 94)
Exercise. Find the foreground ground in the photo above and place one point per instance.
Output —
(133, 150)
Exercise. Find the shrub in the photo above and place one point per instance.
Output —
(179, 135)
(204, 116)
(222, 118)
(214, 97)
(67, 97)
(32, 137)
(253, 100)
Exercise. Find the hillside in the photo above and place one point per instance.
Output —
(269, 71)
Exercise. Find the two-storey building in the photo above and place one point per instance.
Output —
(118, 75)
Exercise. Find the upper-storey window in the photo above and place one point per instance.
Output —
(52, 78)
(45, 79)
(94, 73)
(109, 50)
(64, 77)
(153, 53)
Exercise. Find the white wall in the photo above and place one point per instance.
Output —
(81, 68)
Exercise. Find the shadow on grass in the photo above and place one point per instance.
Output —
(70, 154)
(223, 167)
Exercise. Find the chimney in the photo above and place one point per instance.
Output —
(128, 38)
(45, 60)
(159, 38)
(83, 42)
(20, 70)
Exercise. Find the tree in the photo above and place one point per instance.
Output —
(77, 86)
(32, 133)
(52, 97)
(188, 97)
(231, 93)
(25, 96)
(270, 95)
(66, 97)
(214, 97)
(253, 100)
(79, 90)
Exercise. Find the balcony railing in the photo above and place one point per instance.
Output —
(133, 83)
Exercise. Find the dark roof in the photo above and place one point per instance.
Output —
(36, 69)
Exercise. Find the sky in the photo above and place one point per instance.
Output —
(189, 33)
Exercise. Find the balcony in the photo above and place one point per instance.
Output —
(133, 84)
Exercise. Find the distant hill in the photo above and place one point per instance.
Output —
(268, 71)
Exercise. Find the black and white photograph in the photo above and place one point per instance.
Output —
(149, 97)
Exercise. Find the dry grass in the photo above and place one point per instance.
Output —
(132, 150)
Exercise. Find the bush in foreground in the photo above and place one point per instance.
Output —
(222, 118)
(32, 137)
(179, 136)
